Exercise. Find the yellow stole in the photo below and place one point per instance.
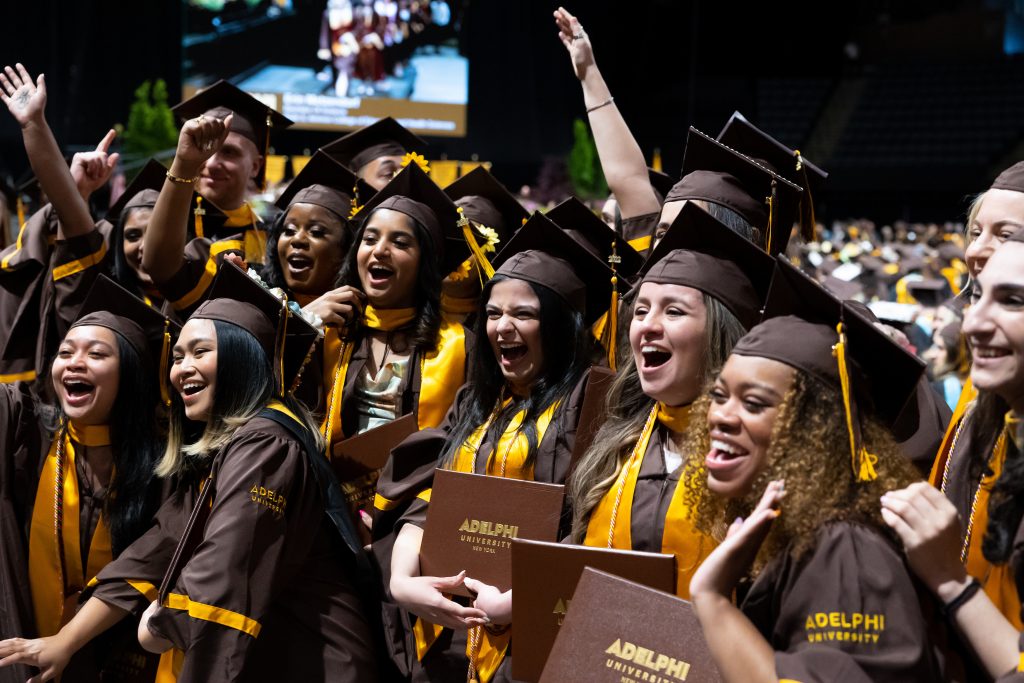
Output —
(484, 649)
(609, 525)
(56, 575)
(442, 371)
(254, 239)
(967, 396)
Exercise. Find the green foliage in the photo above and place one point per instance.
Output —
(150, 128)
(584, 165)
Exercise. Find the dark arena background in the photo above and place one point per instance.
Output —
(910, 105)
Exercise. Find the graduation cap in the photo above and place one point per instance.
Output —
(742, 135)
(141, 192)
(700, 251)
(543, 254)
(844, 289)
(661, 182)
(930, 292)
(253, 119)
(382, 138)
(581, 223)
(325, 182)
(487, 202)
(718, 174)
(811, 330)
(146, 329)
(1010, 179)
(413, 193)
(282, 333)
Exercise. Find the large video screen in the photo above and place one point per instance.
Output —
(335, 64)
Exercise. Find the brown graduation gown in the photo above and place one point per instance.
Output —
(640, 227)
(24, 444)
(446, 660)
(43, 282)
(268, 568)
(848, 611)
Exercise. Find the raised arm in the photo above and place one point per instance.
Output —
(26, 100)
(163, 245)
(623, 163)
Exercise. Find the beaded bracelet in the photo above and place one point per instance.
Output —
(181, 181)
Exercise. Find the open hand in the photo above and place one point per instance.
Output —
(91, 170)
(24, 99)
(49, 655)
(575, 40)
(424, 597)
(731, 560)
(929, 526)
(200, 139)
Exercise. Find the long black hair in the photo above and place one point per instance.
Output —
(138, 442)
(424, 327)
(270, 270)
(566, 346)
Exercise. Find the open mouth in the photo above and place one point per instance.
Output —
(654, 357)
(297, 262)
(723, 455)
(989, 352)
(379, 273)
(510, 353)
(190, 389)
(78, 390)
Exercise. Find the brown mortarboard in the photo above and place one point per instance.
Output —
(487, 202)
(240, 300)
(582, 224)
(541, 253)
(324, 182)
(382, 138)
(253, 119)
(844, 289)
(413, 193)
(718, 174)
(148, 331)
(700, 251)
(740, 134)
(661, 182)
(800, 330)
(141, 192)
(1010, 179)
(930, 292)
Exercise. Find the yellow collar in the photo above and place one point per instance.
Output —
(387, 319)
(89, 435)
(675, 418)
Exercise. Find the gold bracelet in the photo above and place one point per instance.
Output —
(181, 181)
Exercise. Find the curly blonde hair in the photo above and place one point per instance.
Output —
(810, 450)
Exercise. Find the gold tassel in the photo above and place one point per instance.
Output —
(21, 213)
(474, 246)
(356, 206)
(199, 212)
(862, 462)
(808, 221)
(610, 332)
(165, 349)
(266, 150)
(770, 200)
(282, 336)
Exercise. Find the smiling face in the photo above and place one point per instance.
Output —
(194, 372)
(134, 230)
(513, 329)
(309, 248)
(745, 402)
(224, 178)
(86, 373)
(667, 335)
(994, 326)
(388, 260)
(1001, 214)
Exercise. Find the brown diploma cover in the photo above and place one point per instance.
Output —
(617, 631)
(473, 519)
(544, 578)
